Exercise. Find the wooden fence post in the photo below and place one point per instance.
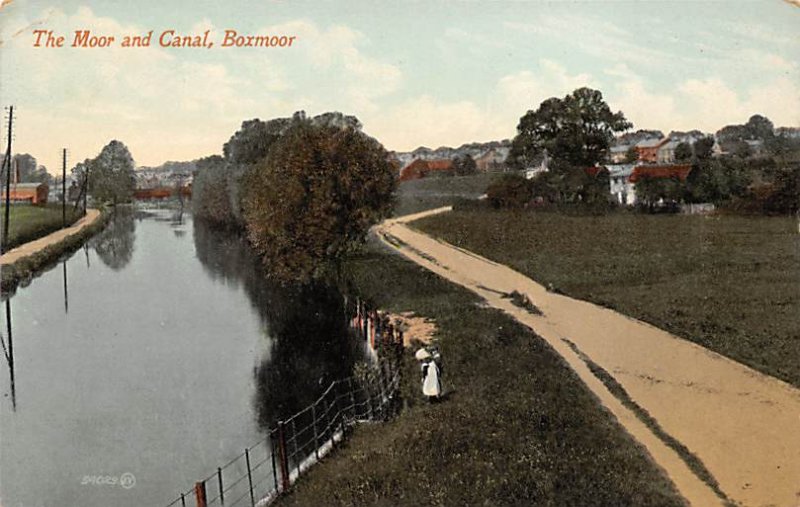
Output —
(249, 477)
(200, 494)
(316, 436)
(284, 459)
(221, 489)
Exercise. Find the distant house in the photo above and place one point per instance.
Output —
(648, 149)
(666, 152)
(620, 185)
(27, 193)
(618, 154)
(493, 159)
(423, 168)
(531, 172)
(622, 178)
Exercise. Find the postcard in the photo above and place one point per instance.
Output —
(445, 253)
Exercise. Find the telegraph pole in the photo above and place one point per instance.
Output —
(63, 188)
(7, 163)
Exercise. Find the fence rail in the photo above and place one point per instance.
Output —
(268, 468)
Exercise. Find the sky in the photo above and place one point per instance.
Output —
(416, 73)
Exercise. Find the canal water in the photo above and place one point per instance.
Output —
(148, 358)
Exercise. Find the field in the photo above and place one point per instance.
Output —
(27, 223)
(434, 192)
(731, 284)
(517, 427)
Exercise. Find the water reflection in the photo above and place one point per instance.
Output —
(114, 245)
(66, 294)
(310, 346)
(8, 352)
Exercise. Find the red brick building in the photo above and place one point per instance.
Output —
(31, 193)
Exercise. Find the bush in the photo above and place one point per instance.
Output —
(510, 191)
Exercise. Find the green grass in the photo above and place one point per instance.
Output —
(517, 427)
(27, 223)
(729, 283)
(434, 192)
(26, 268)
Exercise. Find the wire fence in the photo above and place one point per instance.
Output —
(267, 469)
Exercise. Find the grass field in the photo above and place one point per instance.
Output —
(729, 283)
(434, 192)
(27, 223)
(517, 428)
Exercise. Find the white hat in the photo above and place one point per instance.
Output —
(422, 354)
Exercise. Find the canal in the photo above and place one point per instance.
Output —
(148, 358)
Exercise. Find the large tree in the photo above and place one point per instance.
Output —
(111, 176)
(315, 196)
(577, 129)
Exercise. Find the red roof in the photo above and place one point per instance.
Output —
(420, 168)
(680, 171)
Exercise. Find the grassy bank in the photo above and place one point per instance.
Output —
(24, 269)
(27, 223)
(517, 428)
(434, 192)
(728, 283)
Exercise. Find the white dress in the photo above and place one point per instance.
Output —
(431, 385)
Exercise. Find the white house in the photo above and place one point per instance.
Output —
(533, 171)
(620, 185)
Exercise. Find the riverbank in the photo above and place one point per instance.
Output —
(25, 261)
(517, 426)
(31, 222)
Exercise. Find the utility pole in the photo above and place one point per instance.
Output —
(7, 163)
(63, 188)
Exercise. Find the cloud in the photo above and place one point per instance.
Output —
(595, 37)
(707, 103)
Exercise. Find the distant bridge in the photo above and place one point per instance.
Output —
(161, 192)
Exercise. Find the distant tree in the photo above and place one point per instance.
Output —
(759, 127)
(28, 170)
(111, 178)
(631, 155)
(785, 195)
(465, 165)
(577, 129)
(314, 197)
(741, 149)
(704, 148)
(717, 180)
(511, 191)
(683, 152)
(651, 191)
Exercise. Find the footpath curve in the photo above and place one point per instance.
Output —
(37, 245)
(742, 426)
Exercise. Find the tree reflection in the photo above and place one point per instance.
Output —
(114, 245)
(307, 324)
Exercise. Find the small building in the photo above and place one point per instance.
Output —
(27, 193)
(533, 171)
(493, 159)
(618, 154)
(648, 149)
(666, 152)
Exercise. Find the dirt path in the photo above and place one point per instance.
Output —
(32, 247)
(742, 425)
